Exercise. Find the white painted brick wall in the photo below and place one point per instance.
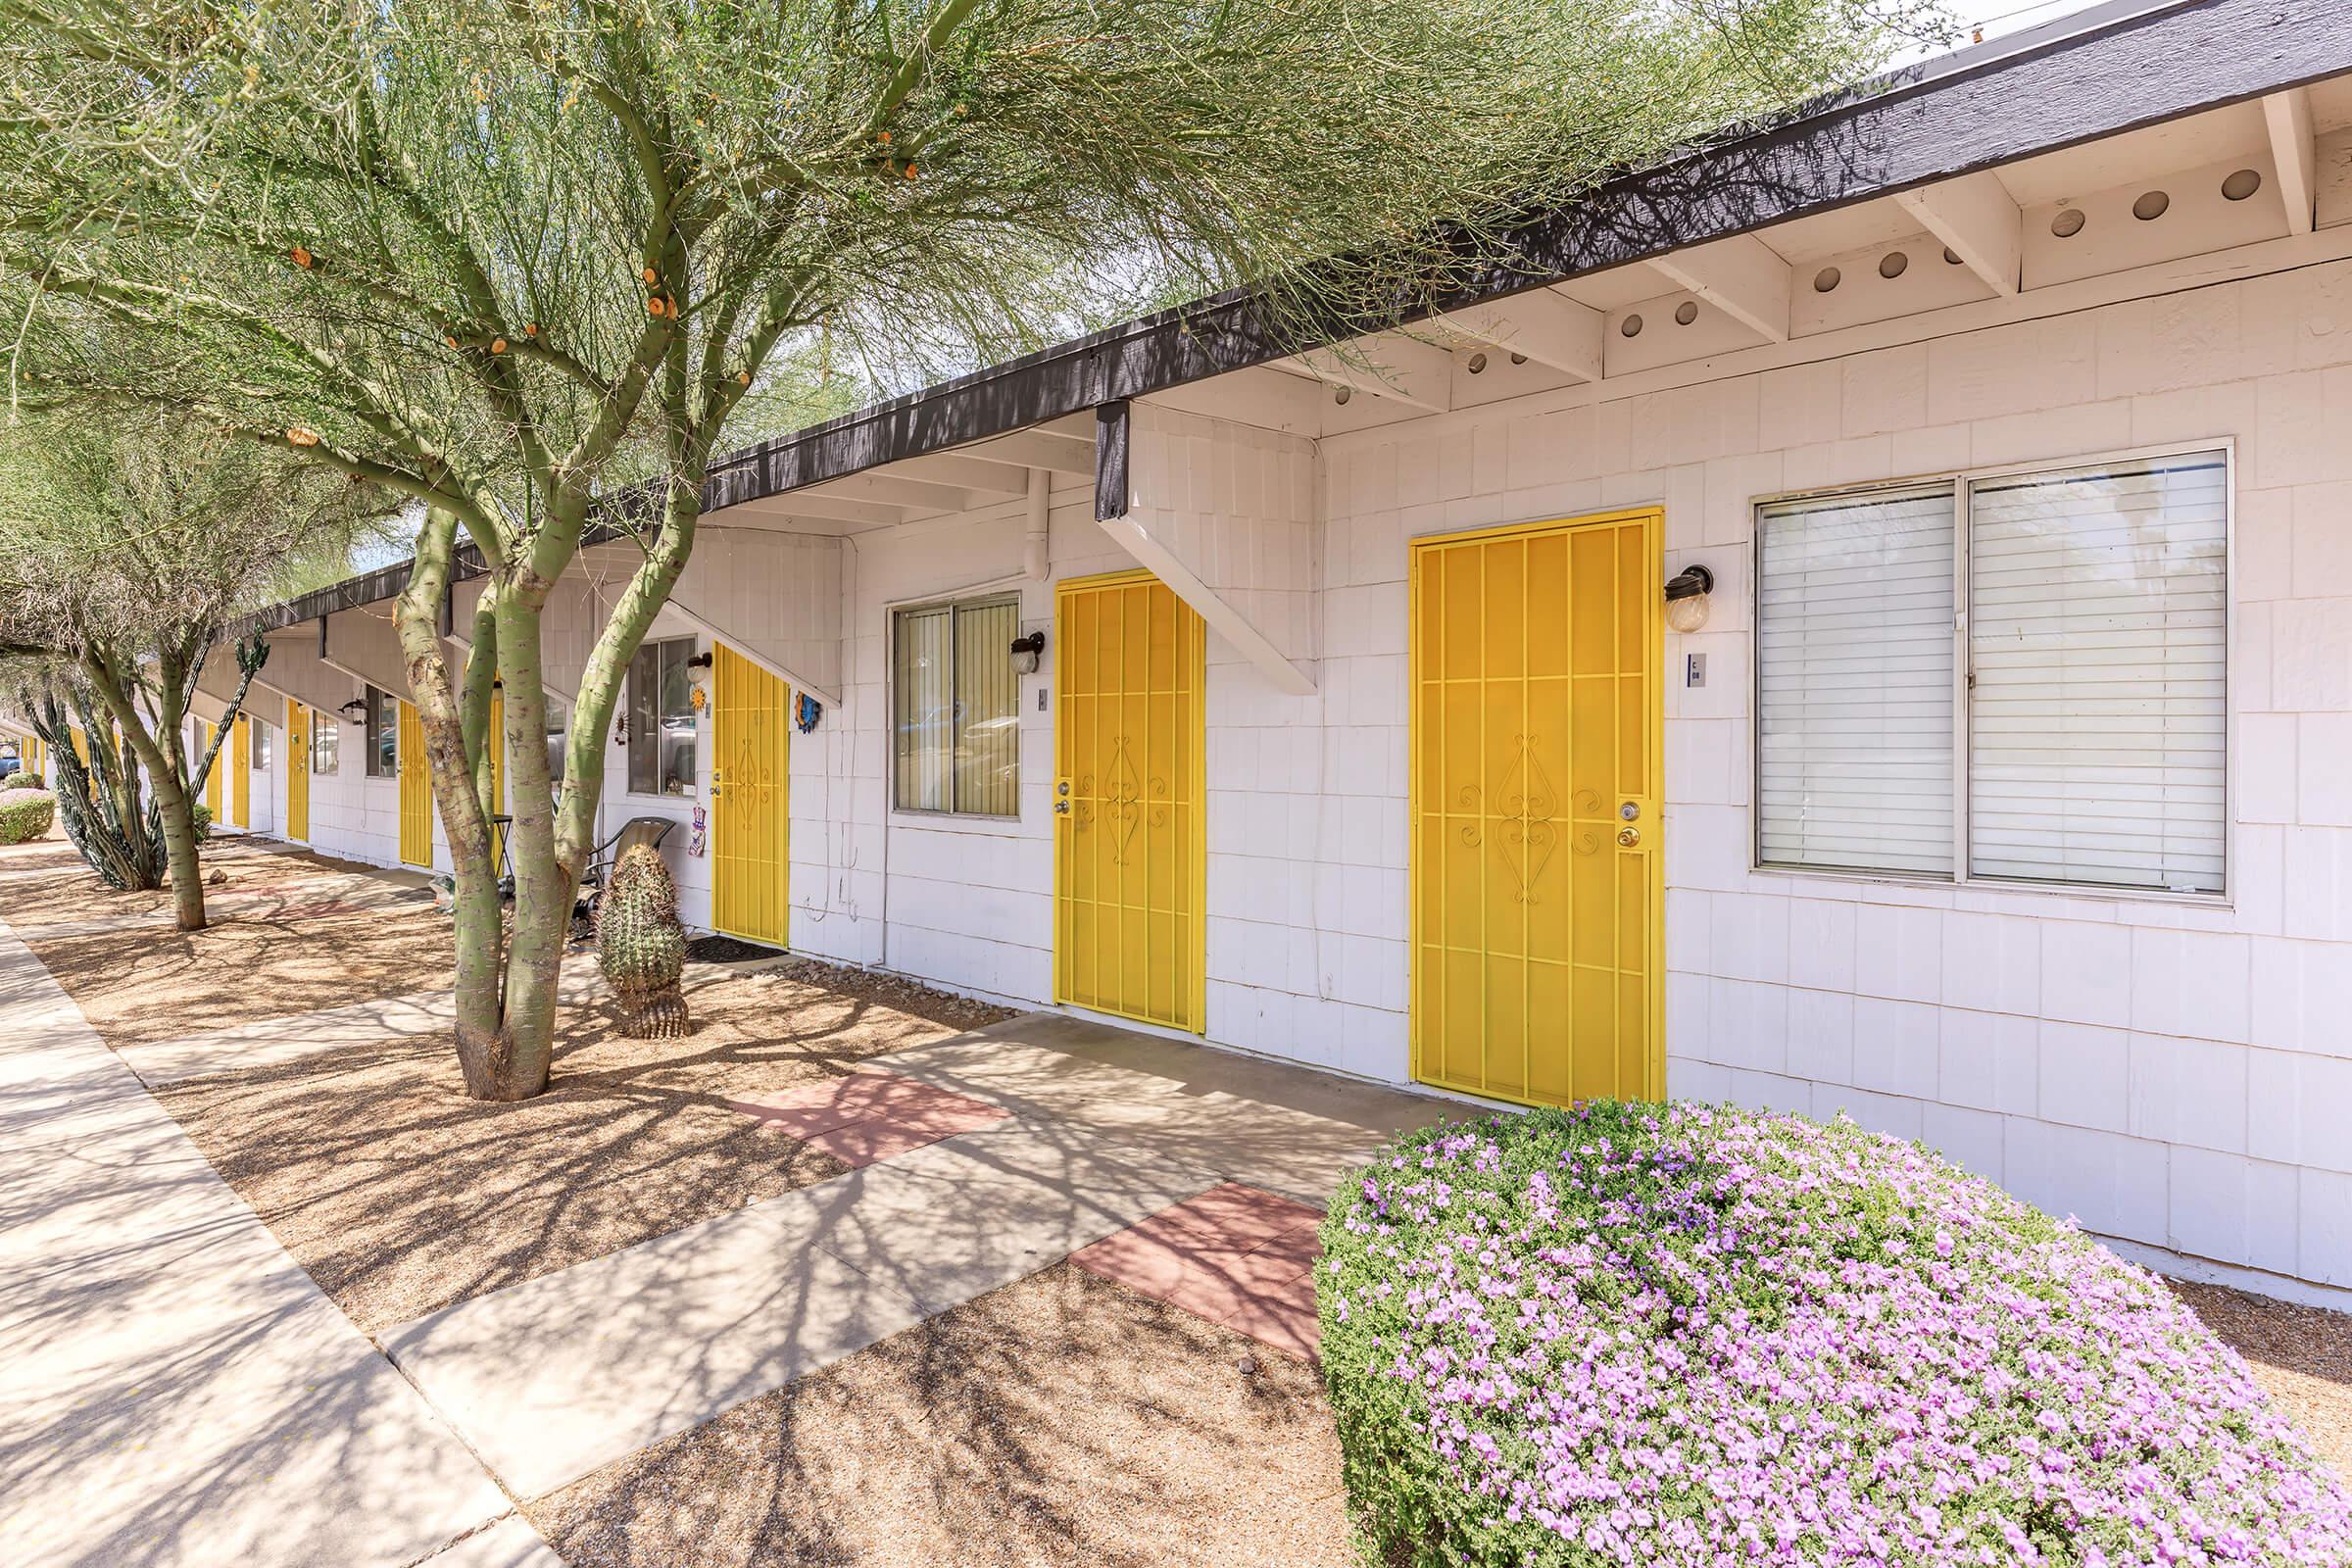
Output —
(2177, 1076)
(2174, 1075)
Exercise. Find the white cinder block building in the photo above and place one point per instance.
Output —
(1996, 788)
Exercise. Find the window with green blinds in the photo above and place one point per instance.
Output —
(955, 708)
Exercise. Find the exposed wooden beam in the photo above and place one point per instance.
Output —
(1038, 449)
(1259, 395)
(1978, 221)
(1402, 370)
(743, 648)
(1543, 325)
(916, 495)
(1741, 276)
(1113, 484)
(837, 509)
(965, 472)
(2288, 115)
(1222, 616)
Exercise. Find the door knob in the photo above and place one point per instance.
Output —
(1629, 836)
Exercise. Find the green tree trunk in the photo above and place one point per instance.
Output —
(450, 718)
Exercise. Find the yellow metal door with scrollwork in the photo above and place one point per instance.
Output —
(240, 772)
(1129, 847)
(298, 771)
(415, 789)
(751, 821)
(1536, 742)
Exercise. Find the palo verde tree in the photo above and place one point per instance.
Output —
(519, 257)
(133, 544)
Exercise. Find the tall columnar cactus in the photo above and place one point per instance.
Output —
(641, 946)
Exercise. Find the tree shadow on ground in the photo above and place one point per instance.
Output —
(1060, 1419)
(402, 1197)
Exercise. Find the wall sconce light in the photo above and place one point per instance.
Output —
(354, 710)
(1687, 598)
(1025, 652)
(697, 671)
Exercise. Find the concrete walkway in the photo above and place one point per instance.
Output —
(174, 1391)
(554, 1377)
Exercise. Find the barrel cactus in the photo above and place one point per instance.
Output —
(641, 946)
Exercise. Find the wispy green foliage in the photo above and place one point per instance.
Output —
(129, 548)
(508, 257)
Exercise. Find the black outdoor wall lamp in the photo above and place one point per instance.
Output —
(354, 710)
(1687, 598)
(1026, 652)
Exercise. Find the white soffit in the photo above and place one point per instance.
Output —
(2156, 217)
(1905, 277)
(1669, 329)
(2135, 154)
(1837, 233)
(2330, 103)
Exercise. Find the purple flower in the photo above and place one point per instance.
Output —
(1675, 1334)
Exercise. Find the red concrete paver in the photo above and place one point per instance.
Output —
(1238, 1256)
(868, 1117)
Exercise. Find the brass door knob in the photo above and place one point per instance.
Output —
(1629, 836)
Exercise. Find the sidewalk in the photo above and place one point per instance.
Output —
(174, 1390)
(553, 1378)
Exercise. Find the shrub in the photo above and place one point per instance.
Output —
(21, 781)
(1637, 1333)
(201, 816)
(26, 814)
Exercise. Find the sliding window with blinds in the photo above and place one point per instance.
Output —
(2062, 720)
(1854, 682)
(955, 702)
(2098, 613)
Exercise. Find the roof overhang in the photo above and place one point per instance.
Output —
(2101, 73)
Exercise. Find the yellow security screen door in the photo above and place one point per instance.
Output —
(211, 775)
(415, 790)
(298, 771)
(1128, 852)
(751, 822)
(495, 743)
(1536, 739)
(240, 774)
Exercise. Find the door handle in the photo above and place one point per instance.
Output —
(1628, 837)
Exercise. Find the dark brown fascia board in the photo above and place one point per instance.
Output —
(1984, 107)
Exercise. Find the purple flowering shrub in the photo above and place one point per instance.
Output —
(1694, 1335)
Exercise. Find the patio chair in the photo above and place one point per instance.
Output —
(649, 830)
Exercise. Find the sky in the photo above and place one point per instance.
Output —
(1997, 17)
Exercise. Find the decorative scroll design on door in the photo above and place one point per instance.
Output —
(1528, 806)
(751, 770)
(1587, 804)
(1122, 800)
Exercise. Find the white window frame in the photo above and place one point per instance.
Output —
(1004, 590)
(1963, 530)
(326, 725)
(694, 650)
(378, 701)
